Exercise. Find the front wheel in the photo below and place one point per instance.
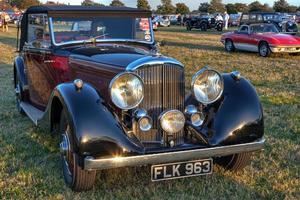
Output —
(203, 26)
(234, 162)
(229, 47)
(264, 49)
(75, 177)
(19, 94)
(188, 27)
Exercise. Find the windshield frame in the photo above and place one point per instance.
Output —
(264, 24)
(50, 22)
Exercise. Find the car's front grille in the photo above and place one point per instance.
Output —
(164, 90)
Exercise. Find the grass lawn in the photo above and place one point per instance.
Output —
(30, 163)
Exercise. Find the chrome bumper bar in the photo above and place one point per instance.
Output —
(91, 163)
(285, 49)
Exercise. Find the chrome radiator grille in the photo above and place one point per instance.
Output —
(164, 89)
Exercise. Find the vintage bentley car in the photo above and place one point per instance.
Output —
(262, 38)
(94, 77)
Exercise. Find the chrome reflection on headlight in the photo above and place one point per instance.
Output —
(207, 85)
(143, 119)
(195, 117)
(126, 90)
(172, 121)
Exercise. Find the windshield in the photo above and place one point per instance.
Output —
(74, 29)
(264, 28)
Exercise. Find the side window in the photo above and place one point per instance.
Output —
(245, 17)
(244, 29)
(38, 31)
(259, 18)
(252, 17)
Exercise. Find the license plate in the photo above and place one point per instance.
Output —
(181, 169)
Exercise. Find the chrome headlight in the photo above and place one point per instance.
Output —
(126, 90)
(172, 121)
(207, 85)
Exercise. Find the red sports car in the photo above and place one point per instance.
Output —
(262, 38)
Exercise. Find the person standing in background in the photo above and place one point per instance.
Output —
(5, 18)
(226, 19)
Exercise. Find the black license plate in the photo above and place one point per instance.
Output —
(181, 169)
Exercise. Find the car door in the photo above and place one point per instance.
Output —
(242, 39)
(37, 53)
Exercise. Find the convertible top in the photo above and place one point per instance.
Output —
(79, 11)
(85, 9)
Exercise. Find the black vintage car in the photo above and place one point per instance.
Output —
(203, 22)
(282, 23)
(93, 76)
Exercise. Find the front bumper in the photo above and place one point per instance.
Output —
(91, 163)
(285, 49)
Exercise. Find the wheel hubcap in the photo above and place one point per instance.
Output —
(263, 50)
(228, 46)
(66, 152)
(64, 145)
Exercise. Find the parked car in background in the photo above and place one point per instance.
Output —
(173, 20)
(283, 24)
(234, 20)
(297, 20)
(262, 38)
(162, 21)
(100, 84)
(204, 22)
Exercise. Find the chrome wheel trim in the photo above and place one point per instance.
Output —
(65, 150)
(228, 45)
(18, 95)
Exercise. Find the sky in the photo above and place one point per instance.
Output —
(193, 4)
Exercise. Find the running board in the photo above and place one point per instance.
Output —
(32, 112)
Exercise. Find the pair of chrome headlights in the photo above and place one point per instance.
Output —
(127, 89)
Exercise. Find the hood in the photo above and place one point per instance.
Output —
(282, 39)
(124, 57)
(115, 55)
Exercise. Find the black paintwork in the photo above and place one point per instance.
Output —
(96, 129)
(237, 118)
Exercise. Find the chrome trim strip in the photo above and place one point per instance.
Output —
(91, 163)
(152, 60)
(99, 41)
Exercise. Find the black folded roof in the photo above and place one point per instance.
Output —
(67, 8)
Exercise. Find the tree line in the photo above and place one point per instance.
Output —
(166, 6)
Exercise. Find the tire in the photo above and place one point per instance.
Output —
(220, 28)
(203, 26)
(75, 177)
(19, 94)
(229, 46)
(264, 49)
(188, 27)
(234, 162)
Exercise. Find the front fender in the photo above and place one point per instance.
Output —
(96, 130)
(237, 117)
(19, 69)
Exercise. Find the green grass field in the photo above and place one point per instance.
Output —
(30, 163)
